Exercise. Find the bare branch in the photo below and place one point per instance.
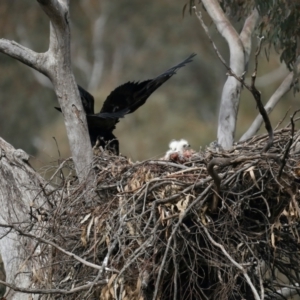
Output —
(44, 241)
(56, 10)
(24, 55)
(285, 86)
(237, 265)
(62, 77)
(56, 64)
(53, 291)
(246, 34)
(288, 147)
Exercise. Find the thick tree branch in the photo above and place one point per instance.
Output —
(56, 64)
(19, 192)
(24, 55)
(238, 61)
(56, 10)
(61, 75)
(246, 34)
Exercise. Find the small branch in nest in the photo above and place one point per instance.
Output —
(44, 241)
(287, 151)
(139, 251)
(280, 121)
(54, 291)
(202, 197)
(237, 265)
(112, 246)
(60, 168)
(256, 94)
(165, 163)
(222, 162)
(176, 267)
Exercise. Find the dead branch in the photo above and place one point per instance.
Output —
(53, 291)
(287, 151)
(56, 64)
(238, 266)
(145, 235)
(284, 87)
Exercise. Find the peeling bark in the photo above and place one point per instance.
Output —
(19, 191)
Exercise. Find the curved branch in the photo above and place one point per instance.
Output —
(285, 86)
(55, 10)
(236, 264)
(238, 60)
(44, 241)
(26, 56)
(60, 73)
(246, 34)
(54, 291)
(231, 91)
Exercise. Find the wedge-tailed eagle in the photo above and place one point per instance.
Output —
(125, 99)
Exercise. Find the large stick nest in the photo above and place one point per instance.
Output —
(164, 230)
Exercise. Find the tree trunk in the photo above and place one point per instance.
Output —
(56, 64)
(22, 191)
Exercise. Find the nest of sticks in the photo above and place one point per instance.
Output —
(223, 225)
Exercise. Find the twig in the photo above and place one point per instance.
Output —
(44, 241)
(287, 151)
(256, 94)
(53, 291)
(173, 234)
(238, 266)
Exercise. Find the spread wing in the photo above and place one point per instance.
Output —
(132, 95)
(105, 121)
(103, 124)
(87, 100)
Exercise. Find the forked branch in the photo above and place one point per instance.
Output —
(56, 64)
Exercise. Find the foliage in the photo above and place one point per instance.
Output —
(280, 23)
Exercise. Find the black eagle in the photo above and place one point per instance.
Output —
(125, 99)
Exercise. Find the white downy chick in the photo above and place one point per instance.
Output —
(172, 149)
(173, 145)
(182, 145)
(176, 147)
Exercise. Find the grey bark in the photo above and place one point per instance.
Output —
(20, 193)
(20, 186)
(56, 64)
(240, 49)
